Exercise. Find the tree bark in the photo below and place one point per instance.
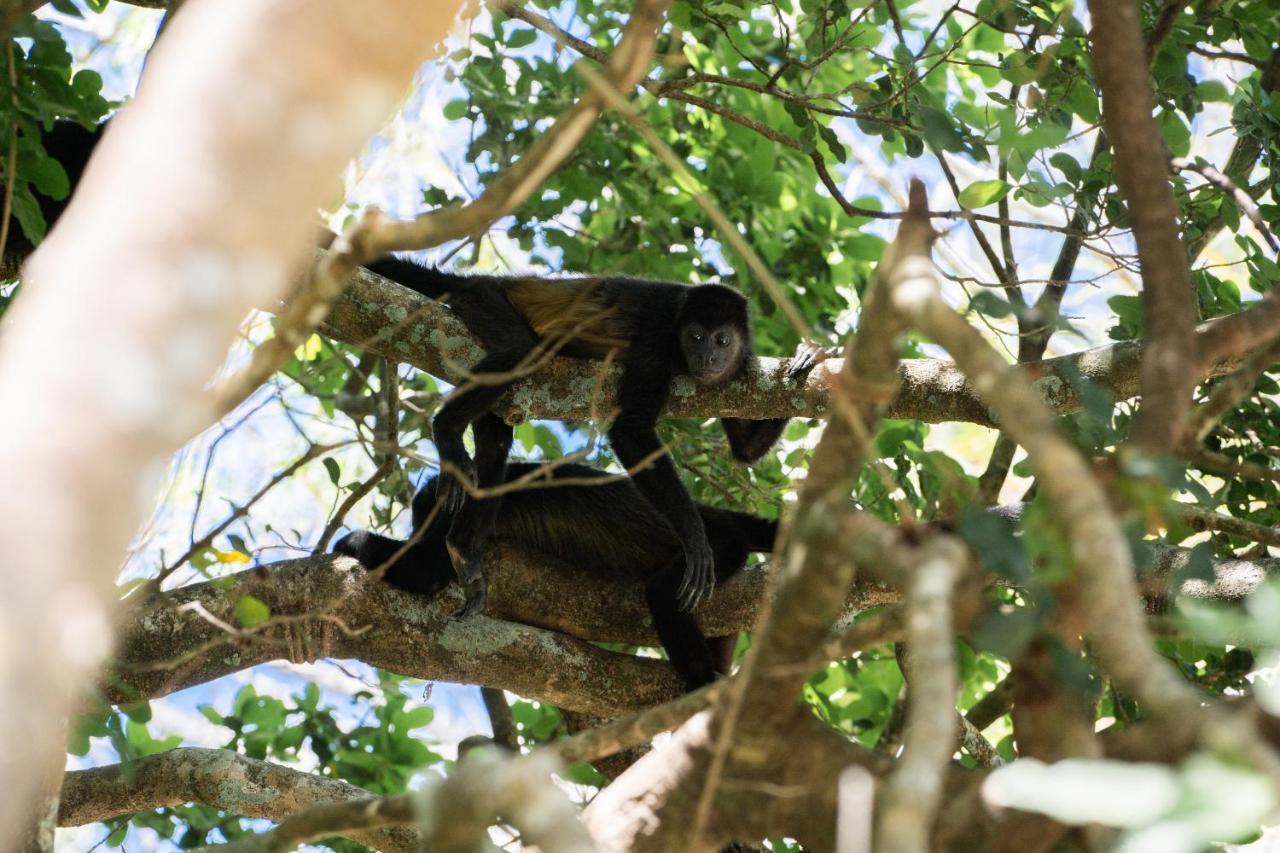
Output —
(194, 209)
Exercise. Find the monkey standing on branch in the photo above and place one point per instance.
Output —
(658, 329)
(608, 527)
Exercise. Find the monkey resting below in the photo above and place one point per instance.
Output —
(608, 526)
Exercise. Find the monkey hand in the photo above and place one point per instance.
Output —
(467, 566)
(807, 355)
(476, 589)
(452, 492)
(699, 574)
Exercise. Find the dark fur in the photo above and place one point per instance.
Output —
(610, 527)
(659, 329)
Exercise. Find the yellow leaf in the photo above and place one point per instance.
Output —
(308, 349)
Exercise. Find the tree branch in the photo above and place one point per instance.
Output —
(218, 778)
(1169, 311)
(908, 802)
(201, 228)
(627, 65)
(330, 607)
(1100, 553)
(393, 321)
(454, 812)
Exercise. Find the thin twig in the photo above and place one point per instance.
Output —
(11, 168)
(314, 452)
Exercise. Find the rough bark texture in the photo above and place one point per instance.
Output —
(163, 649)
(213, 777)
(393, 321)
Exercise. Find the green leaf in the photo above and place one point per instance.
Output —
(940, 131)
(1067, 165)
(250, 611)
(983, 193)
(1021, 67)
(1176, 134)
(335, 473)
(833, 142)
(416, 718)
(1213, 90)
(49, 177)
(139, 711)
(1128, 310)
(993, 538)
(455, 110)
(728, 10)
(211, 714)
(87, 83)
(521, 38)
(988, 304)
(1005, 634)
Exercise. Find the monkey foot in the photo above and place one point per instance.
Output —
(474, 604)
(699, 577)
(474, 583)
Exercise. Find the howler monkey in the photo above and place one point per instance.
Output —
(658, 329)
(609, 527)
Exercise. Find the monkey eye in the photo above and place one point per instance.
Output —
(722, 340)
(697, 338)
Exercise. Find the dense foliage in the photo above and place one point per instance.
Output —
(802, 120)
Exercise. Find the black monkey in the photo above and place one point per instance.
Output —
(610, 527)
(659, 329)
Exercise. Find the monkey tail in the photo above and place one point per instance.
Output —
(429, 281)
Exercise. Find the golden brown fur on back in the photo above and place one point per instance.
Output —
(569, 313)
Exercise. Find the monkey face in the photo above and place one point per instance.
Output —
(711, 355)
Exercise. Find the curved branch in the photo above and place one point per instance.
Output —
(329, 607)
(626, 67)
(1103, 563)
(218, 778)
(165, 647)
(908, 800)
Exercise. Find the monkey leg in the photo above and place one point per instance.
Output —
(422, 568)
(686, 646)
(697, 658)
(473, 525)
(508, 340)
(722, 652)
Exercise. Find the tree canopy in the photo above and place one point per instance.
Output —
(1023, 597)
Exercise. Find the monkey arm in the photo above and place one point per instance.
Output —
(642, 393)
(749, 440)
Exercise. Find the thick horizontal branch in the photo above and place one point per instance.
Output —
(542, 617)
(1233, 580)
(218, 778)
(328, 607)
(393, 321)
